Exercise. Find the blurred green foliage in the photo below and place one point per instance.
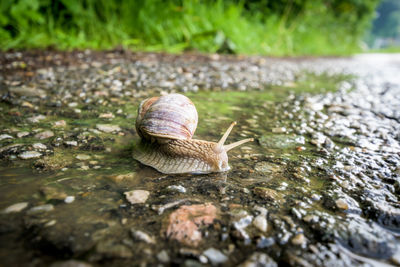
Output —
(274, 27)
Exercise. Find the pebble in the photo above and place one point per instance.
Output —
(163, 256)
(22, 134)
(260, 222)
(29, 155)
(298, 239)
(61, 123)
(71, 143)
(279, 130)
(36, 119)
(142, 236)
(16, 207)
(342, 204)
(215, 256)
(44, 135)
(39, 146)
(69, 199)
(82, 157)
(184, 223)
(5, 136)
(259, 259)
(40, 209)
(177, 188)
(108, 128)
(71, 263)
(137, 196)
(266, 193)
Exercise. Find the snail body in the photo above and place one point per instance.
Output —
(166, 125)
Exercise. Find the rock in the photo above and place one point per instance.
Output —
(298, 239)
(29, 155)
(28, 91)
(279, 130)
(259, 259)
(215, 256)
(142, 236)
(260, 222)
(342, 204)
(69, 199)
(82, 157)
(36, 119)
(108, 128)
(16, 207)
(71, 143)
(5, 136)
(40, 209)
(184, 223)
(22, 134)
(177, 188)
(163, 256)
(70, 263)
(39, 146)
(44, 135)
(267, 168)
(106, 115)
(61, 123)
(266, 193)
(137, 196)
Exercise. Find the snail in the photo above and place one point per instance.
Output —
(166, 125)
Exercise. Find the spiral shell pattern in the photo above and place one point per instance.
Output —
(172, 116)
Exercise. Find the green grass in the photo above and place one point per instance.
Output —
(176, 26)
(392, 49)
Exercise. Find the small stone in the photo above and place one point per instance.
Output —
(142, 236)
(106, 115)
(215, 256)
(184, 223)
(108, 128)
(72, 104)
(16, 207)
(5, 136)
(267, 168)
(71, 143)
(61, 123)
(163, 256)
(36, 119)
(50, 223)
(279, 130)
(137, 196)
(29, 155)
(22, 134)
(259, 259)
(298, 239)
(260, 222)
(71, 263)
(82, 157)
(342, 204)
(178, 188)
(69, 199)
(44, 135)
(39, 146)
(40, 209)
(266, 193)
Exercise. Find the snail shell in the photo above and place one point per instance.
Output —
(171, 116)
(166, 125)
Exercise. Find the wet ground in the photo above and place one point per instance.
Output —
(319, 186)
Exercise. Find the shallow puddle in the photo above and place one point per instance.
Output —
(303, 191)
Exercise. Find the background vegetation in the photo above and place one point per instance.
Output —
(273, 27)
